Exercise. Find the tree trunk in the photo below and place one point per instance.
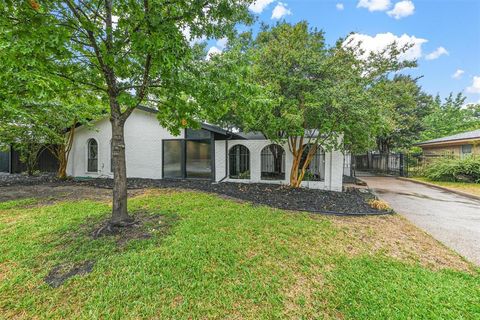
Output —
(62, 162)
(297, 174)
(120, 215)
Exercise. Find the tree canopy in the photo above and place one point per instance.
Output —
(125, 53)
(311, 94)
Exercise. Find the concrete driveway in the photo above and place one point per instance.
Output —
(452, 219)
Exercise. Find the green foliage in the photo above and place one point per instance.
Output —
(450, 117)
(461, 170)
(304, 88)
(125, 53)
(403, 106)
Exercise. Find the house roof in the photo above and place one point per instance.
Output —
(469, 135)
(205, 126)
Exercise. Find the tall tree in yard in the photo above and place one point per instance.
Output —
(404, 108)
(307, 93)
(128, 53)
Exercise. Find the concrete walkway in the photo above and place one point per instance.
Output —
(450, 218)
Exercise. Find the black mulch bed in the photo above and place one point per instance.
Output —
(7, 180)
(350, 202)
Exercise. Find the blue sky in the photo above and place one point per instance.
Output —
(446, 33)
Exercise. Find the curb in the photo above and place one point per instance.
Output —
(465, 194)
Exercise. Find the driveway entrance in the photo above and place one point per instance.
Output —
(452, 219)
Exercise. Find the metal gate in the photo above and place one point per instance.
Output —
(4, 161)
(381, 163)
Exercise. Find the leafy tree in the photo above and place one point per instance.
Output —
(26, 139)
(451, 117)
(127, 53)
(31, 127)
(312, 95)
(405, 106)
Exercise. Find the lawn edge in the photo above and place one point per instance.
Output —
(462, 193)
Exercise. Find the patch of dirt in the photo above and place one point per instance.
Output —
(52, 192)
(144, 226)
(62, 272)
(396, 237)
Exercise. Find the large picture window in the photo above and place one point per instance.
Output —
(239, 162)
(198, 159)
(190, 157)
(172, 159)
(273, 162)
(92, 155)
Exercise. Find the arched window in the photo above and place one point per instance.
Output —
(239, 162)
(273, 162)
(316, 168)
(92, 153)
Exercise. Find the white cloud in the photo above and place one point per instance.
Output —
(402, 9)
(188, 36)
(458, 74)
(222, 43)
(440, 51)
(280, 11)
(340, 6)
(475, 87)
(374, 5)
(382, 40)
(217, 48)
(213, 51)
(259, 5)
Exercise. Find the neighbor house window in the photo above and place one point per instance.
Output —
(92, 165)
(273, 162)
(316, 168)
(239, 162)
(466, 150)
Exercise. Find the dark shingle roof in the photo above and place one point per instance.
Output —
(475, 134)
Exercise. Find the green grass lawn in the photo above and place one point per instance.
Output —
(224, 259)
(472, 188)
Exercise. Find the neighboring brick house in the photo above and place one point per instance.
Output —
(461, 144)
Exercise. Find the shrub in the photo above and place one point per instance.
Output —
(461, 170)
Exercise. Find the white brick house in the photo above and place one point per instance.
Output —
(208, 153)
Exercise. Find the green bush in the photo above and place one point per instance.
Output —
(456, 170)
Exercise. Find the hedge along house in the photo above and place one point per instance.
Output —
(210, 153)
(457, 145)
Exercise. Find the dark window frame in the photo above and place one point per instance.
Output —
(211, 139)
(239, 154)
(90, 160)
(274, 176)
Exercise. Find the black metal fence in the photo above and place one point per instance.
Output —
(397, 164)
(382, 163)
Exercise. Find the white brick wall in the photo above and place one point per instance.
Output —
(143, 147)
(333, 165)
(143, 142)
